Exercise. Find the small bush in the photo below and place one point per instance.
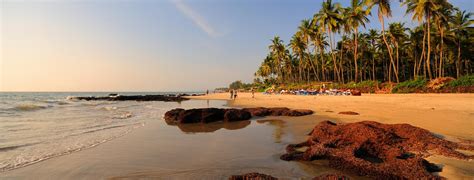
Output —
(439, 83)
(410, 86)
(464, 81)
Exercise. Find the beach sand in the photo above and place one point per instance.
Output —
(449, 115)
(446, 114)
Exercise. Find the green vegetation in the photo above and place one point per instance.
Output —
(441, 46)
(240, 85)
(462, 81)
(410, 86)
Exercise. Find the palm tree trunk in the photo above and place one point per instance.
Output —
(441, 74)
(312, 63)
(373, 67)
(340, 62)
(332, 53)
(355, 54)
(388, 47)
(429, 46)
(397, 67)
(422, 53)
(458, 61)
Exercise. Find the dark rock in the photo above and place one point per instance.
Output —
(252, 176)
(134, 98)
(331, 177)
(206, 115)
(356, 93)
(203, 115)
(212, 115)
(299, 112)
(348, 113)
(259, 111)
(381, 151)
(278, 111)
(237, 115)
(171, 117)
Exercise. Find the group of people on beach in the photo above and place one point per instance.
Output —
(233, 93)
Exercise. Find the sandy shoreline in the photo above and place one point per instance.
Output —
(220, 150)
(445, 114)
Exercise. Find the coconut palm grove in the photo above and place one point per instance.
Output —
(334, 46)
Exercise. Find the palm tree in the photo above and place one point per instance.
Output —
(279, 55)
(328, 17)
(460, 23)
(356, 16)
(384, 10)
(306, 31)
(319, 42)
(373, 36)
(298, 47)
(424, 9)
(442, 18)
(396, 32)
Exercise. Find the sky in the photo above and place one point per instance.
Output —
(147, 45)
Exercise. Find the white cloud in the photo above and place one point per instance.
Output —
(195, 17)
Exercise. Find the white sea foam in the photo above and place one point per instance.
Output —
(29, 107)
(37, 127)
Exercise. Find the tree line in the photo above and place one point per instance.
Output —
(441, 45)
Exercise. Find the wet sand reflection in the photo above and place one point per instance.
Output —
(212, 127)
(279, 126)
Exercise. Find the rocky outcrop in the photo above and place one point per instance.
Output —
(252, 176)
(115, 97)
(381, 151)
(258, 176)
(356, 92)
(348, 113)
(331, 177)
(206, 115)
(277, 111)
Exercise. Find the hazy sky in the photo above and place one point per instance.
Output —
(146, 45)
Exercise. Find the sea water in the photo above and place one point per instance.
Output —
(38, 126)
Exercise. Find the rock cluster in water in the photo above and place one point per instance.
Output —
(207, 115)
(133, 98)
(252, 176)
(381, 151)
(259, 176)
(348, 113)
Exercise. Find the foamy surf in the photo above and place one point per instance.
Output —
(29, 107)
(39, 126)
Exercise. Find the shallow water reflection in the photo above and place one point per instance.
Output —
(212, 127)
(279, 126)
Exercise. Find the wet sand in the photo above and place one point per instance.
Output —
(448, 115)
(212, 151)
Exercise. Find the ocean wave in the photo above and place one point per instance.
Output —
(109, 108)
(28, 159)
(29, 107)
(125, 115)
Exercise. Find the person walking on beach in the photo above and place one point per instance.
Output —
(235, 94)
(207, 92)
(253, 92)
(231, 94)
